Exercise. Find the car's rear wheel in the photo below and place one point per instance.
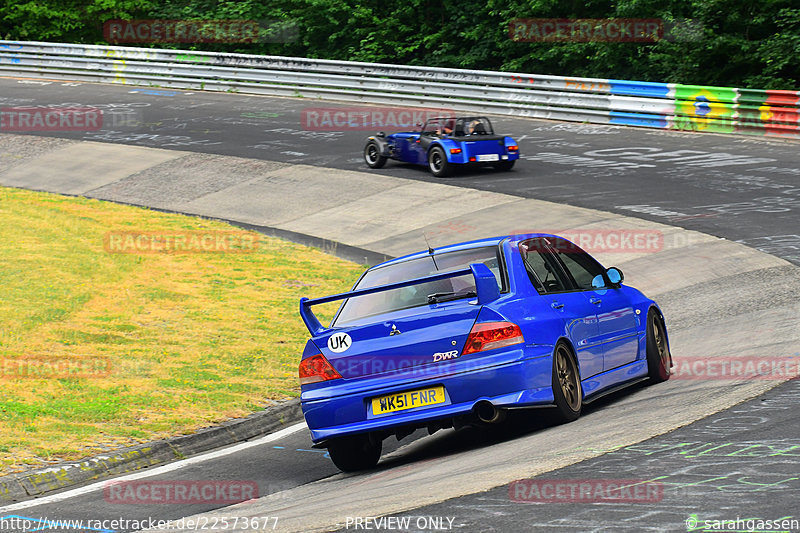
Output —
(353, 453)
(437, 162)
(372, 155)
(658, 356)
(566, 384)
(504, 165)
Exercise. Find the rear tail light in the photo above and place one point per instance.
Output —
(472, 159)
(315, 369)
(455, 150)
(490, 335)
(512, 148)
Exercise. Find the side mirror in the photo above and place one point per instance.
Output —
(614, 275)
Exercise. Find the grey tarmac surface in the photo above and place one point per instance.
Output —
(737, 188)
(273, 467)
(740, 464)
(741, 188)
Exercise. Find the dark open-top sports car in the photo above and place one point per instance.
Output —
(441, 143)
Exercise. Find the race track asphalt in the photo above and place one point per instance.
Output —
(742, 189)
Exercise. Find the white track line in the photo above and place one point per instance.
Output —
(155, 471)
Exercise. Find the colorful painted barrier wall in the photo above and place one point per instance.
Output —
(598, 101)
(714, 109)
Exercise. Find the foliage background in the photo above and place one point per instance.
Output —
(742, 43)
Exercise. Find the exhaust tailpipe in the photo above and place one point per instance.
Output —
(487, 413)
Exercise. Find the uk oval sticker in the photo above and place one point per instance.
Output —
(339, 342)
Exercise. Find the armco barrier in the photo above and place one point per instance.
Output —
(597, 101)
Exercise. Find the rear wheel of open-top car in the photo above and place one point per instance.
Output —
(372, 155)
(356, 452)
(437, 162)
(566, 384)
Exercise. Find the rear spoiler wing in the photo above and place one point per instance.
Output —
(485, 284)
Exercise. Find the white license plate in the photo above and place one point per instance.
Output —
(488, 157)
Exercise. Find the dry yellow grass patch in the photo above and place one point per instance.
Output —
(189, 339)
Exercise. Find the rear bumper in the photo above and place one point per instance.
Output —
(463, 158)
(514, 378)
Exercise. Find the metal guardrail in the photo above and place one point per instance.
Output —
(597, 101)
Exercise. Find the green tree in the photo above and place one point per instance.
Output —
(750, 43)
(72, 21)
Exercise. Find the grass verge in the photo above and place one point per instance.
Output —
(100, 350)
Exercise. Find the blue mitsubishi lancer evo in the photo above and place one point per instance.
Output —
(462, 333)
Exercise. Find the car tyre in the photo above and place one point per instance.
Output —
(504, 165)
(566, 384)
(372, 155)
(658, 357)
(354, 453)
(437, 162)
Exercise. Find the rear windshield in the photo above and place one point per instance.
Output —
(354, 309)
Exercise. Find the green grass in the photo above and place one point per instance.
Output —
(189, 339)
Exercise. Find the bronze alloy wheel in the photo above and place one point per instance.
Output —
(660, 341)
(568, 378)
(659, 360)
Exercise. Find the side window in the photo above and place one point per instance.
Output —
(581, 266)
(543, 271)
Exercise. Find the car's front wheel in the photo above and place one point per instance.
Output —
(566, 384)
(658, 357)
(353, 453)
(437, 162)
(504, 165)
(373, 156)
